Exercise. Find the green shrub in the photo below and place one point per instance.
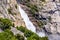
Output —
(49, 18)
(5, 23)
(26, 1)
(44, 38)
(7, 35)
(28, 33)
(19, 37)
(9, 11)
(33, 37)
(40, 23)
(33, 8)
(21, 28)
(43, 0)
(16, 6)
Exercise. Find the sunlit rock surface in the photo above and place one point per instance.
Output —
(9, 9)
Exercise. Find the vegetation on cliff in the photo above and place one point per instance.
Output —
(5, 23)
(31, 35)
(8, 35)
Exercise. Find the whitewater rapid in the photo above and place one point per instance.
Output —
(28, 23)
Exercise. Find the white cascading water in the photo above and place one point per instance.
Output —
(28, 23)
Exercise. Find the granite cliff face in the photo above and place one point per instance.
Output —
(47, 16)
(44, 11)
(44, 14)
(9, 9)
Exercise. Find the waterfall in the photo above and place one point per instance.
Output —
(28, 23)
